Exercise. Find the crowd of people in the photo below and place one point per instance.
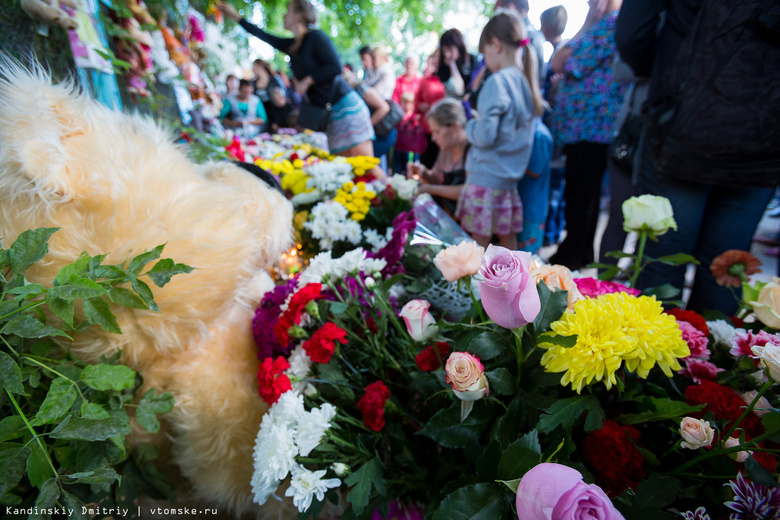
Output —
(514, 148)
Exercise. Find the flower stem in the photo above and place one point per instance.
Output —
(639, 254)
(36, 437)
(474, 301)
(519, 352)
(749, 408)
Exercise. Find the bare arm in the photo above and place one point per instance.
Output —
(443, 191)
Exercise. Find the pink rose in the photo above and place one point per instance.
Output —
(699, 369)
(459, 260)
(552, 491)
(507, 290)
(740, 456)
(696, 340)
(762, 406)
(419, 322)
(467, 376)
(696, 433)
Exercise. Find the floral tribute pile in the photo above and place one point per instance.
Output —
(554, 397)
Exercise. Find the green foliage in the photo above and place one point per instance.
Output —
(363, 480)
(62, 436)
(650, 498)
(474, 502)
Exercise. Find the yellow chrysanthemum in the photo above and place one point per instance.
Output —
(361, 164)
(356, 198)
(600, 345)
(611, 329)
(658, 336)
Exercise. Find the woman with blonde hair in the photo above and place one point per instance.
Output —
(316, 72)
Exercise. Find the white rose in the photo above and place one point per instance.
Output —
(769, 355)
(648, 212)
(696, 433)
(767, 308)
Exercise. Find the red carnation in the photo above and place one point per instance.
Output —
(321, 346)
(428, 361)
(372, 405)
(271, 380)
(618, 463)
(692, 317)
(724, 403)
(292, 316)
(767, 460)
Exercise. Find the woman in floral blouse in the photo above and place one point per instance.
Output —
(585, 107)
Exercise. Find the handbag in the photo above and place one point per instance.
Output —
(316, 118)
(390, 121)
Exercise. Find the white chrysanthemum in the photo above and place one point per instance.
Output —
(319, 266)
(305, 485)
(275, 451)
(300, 365)
(404, 187)
(262, 487)
(375, 240)
(313, 427)
(328, 177)
(721, 331)
(288, 410)
(339, 468)
(353, 232)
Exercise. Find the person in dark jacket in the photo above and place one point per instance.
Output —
(710, 218)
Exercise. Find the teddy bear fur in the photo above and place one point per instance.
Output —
(116, 183)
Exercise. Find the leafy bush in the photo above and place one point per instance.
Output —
(64, 422)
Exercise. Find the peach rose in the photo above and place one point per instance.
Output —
(558, 278)
(459, 260)
(696, 433)
(467, 376)
(767, 308)
(740, 456)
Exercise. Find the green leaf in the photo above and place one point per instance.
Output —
(138, 263)
(5, 260)
(512, 484)
(10, 375)
(759, 473)
(474, 502)
(11, 427)
(556, 339)
(29, 247)
(108, 377)
(609, 272)
(338, 308)
(61, 396)
(126, 298)
(98, 312)
(366, 477)
(63, 309)
(12, 463)
(144, 292)
(566, 411)
(520, 456)
(619, 254)
(508, 426)
(78, 289)
(771, 422)
(38, 468)
(487, 345)
(75, 505)
(102, 475)
(79, 268)
(652, 496)
(446, 429)
(678, 259)
(25, 326)
(90, 429)
(50, 492)
(108, 272)
(501, 381)
(93, 411)
(166, 269)
(659, 409)
(663, 292)
(150, 405)
(553, 305)
(27, 291)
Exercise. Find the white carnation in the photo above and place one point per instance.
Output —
(305, 485)
(306, 198)
(721, 331)
(404, 187)
(374, 239)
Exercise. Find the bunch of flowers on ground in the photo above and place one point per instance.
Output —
(552, 395)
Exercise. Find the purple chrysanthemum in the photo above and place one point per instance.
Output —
(403, 224)
(699, 514)
(266, 315)
(753, 501)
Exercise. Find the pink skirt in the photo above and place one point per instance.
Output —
(489, 211)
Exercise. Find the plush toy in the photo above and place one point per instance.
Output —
(115, 183)
(50, 12)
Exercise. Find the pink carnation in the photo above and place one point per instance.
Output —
(744, 340)
(696, 340)
(591, 287)
(698, 369)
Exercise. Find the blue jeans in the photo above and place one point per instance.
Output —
(382, 145)
(556, 221)
(710, 220)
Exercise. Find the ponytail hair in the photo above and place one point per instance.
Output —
(509, 29)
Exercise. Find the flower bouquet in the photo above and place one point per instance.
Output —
(553, 397)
